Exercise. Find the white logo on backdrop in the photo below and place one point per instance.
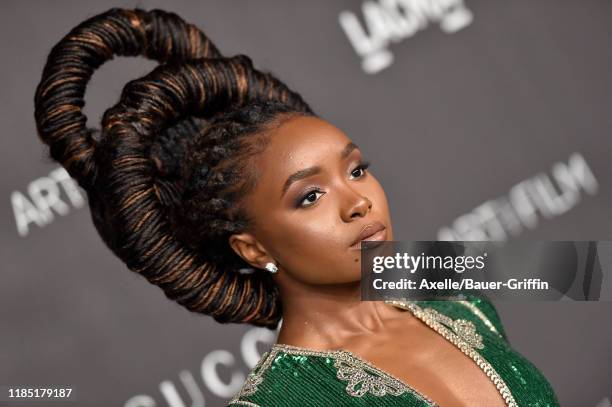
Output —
(525, 203)
(210, 375)
(43, 197)
(395, 20)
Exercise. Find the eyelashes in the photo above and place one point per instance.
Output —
(362, 166)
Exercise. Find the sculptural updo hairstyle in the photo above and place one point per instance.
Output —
(167, 169)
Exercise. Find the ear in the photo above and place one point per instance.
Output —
(249, 249)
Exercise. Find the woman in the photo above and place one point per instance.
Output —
(220, 185)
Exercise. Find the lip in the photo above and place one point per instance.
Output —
(374, 231)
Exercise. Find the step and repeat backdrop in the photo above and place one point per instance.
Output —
(483, 119)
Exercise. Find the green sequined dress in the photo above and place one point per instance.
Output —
(294, 376)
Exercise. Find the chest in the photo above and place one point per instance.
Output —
(430, 364)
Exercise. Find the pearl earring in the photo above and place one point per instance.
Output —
(271, 267)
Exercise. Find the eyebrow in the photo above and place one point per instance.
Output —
(307, 172)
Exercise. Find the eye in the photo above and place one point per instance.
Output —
(310, 197)
(361, 168)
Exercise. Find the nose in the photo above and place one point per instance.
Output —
(359, 208)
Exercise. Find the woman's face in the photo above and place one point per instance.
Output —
(311, 202)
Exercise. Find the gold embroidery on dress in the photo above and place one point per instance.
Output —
(462, 335)
(250, 384)
(362, 381)
(253, 379)
(460, 332)
(362, 376)
(464, 328)
(244, 403)
(480, 315)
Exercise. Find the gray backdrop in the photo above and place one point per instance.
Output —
(490, 118)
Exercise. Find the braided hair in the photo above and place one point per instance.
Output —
(167, 170)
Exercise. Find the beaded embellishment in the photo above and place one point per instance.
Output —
(476, 311)
(462, 336)
(250, 384)
(465, 329)
(363, 377)
(253, 379)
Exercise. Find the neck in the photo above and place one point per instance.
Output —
(326, 316)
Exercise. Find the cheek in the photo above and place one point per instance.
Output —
(314, 248)
(317, 253)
